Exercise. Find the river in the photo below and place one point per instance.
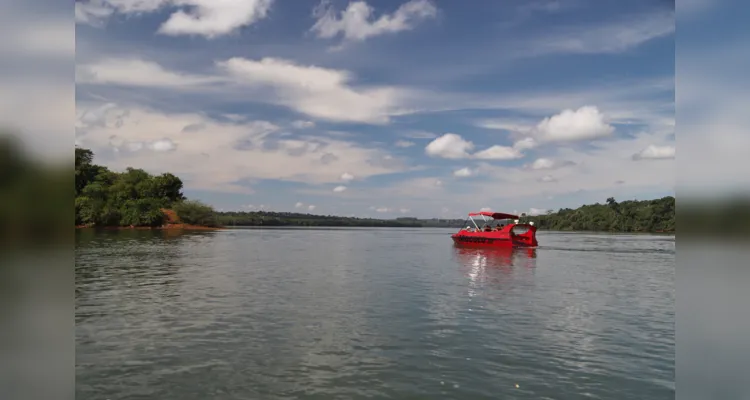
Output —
(348, 313)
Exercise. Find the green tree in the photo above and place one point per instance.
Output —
(195, 213)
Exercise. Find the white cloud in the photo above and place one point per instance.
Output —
(346, 177)
(463, 172)
(212, 18)
(653, 152)
(547, 163)
(299, 205)
(498, 153)
(93, 12)
(303, 124)
(310, 207)
(216, 155)
(136, 72)
(162, 145)
(450, 145)
(315, 91)
(525, 144)
(382, 210)
(485, 209)
(453, 146)
(207, 18)
(355, 23)
(339, 189)
(404, 210)
(585, 123)
(404, 143)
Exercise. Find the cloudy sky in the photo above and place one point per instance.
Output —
(391, 108)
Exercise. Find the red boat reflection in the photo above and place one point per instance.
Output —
(497, 267)
(495, 256)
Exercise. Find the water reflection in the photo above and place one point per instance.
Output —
(497, 267)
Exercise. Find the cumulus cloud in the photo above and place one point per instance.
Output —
(315, 91)
(653, 152)
(404, 143)
(299, 205)
(485, 209)
(548, 163)
(463, 172)
(453, 146)
(207, 18)
(498, 153)
(585, 123)
(450, 145)
(525, 144)
(339, 189)
(355, 23)
(157, 146)
(404, 210)
(346, 177)
(310, 207)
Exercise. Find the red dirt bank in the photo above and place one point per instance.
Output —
(173, 223)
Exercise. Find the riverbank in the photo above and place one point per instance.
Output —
(173, 223)
(173, 227)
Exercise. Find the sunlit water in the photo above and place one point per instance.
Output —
(372, 313)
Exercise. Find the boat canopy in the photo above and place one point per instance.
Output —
(494, 215)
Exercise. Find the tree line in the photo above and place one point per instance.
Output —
(269, 218)
(131, 198)
(656, 215)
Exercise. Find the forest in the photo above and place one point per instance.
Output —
(131, 198)
(656, 215)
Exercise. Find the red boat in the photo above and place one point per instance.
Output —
(497, 230)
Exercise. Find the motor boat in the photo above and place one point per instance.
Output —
(496, 230)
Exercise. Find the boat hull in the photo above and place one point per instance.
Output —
(472, 241)
(505, 238)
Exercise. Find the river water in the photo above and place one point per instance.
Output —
(372, 313)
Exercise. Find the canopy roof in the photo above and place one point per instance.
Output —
(494, 215)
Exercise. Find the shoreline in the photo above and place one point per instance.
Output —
(168, 227)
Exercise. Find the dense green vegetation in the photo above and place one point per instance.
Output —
(628, 216)
(194, 212)
(130, 198)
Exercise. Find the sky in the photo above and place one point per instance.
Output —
(419, 108)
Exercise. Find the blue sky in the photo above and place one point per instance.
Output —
(383, 109)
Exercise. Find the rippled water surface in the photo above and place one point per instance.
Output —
(372, 313)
